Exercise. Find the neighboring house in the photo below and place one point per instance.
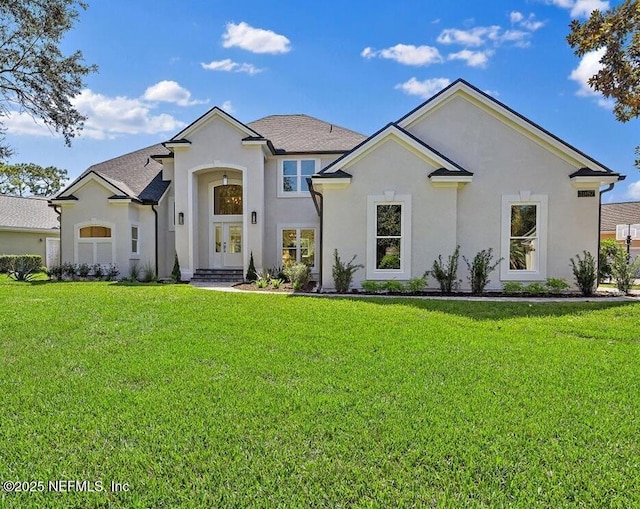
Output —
(29, 226)
(615, 221)
(461, 169)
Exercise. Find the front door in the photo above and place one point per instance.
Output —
(226, 249)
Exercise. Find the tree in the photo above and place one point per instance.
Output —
(35, 77)
(617, 31)
(24, 179)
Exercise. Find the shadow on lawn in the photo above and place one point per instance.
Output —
(495, 310)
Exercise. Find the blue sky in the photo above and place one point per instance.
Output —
(358, 64)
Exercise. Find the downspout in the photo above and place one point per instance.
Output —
(318, 201)
(59, 212)
(155, 213)
(609, 188)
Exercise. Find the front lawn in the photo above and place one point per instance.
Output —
(196, 398)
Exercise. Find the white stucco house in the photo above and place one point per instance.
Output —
(460, 169)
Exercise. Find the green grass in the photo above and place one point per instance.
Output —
(205, 399)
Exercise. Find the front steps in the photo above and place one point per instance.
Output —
(213, 276)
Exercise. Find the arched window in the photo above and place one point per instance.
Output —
(95, 232)
(227, 200)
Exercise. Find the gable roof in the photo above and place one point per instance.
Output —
(27, 213)
(463, 88)
(135, 174)
(614, 214)
(206, 117)
(446, 165)
(305, 134)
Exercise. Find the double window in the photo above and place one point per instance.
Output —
(293, 176)
(298, 246)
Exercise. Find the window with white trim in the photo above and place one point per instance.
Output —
(171, 211)
(293, 175)
(389, 236)
(298, 246)
(524, 230)
(135, 240)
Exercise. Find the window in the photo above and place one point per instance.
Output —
(294, 173)
(95, 232)
(389, 236)
(171, 211)
(298, 246)
(134, 240)
(523, 241)
(524, 225)
(227, 200)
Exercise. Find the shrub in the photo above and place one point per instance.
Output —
(148, 272)
(276, 283)
(175, 273)
(393, 286)
(82, 270)
(372, 286)
(299, 274)
(134, 272)
(480, 268)
(446, 274)
(556, 285)
(343, 272)
(535, 288)
(513, 287)
(584, 272)
(98, 271)
(24, 267)
(624, 272)
(417, 284)
(54, 273)
(262, 282)
(8, 262)
(112, 272)
(278, 273)
(68, 270)
(609, 249)
(251, 271)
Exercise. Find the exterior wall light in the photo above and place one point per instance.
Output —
(225, 180)
(180, 217)
(254, 217)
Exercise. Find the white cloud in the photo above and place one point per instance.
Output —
(472, 58)
(516, 16)
(581, 8)
(228, 107)
(476, 36)
(424, 89)
(406, 54)
(256, 40)
(589, 66)
(229, 65)
(23, 124)
(170, 92)
(633, 190)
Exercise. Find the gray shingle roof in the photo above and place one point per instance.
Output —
(302, 133)
(136, 174)
(619, 213)
(31, 212)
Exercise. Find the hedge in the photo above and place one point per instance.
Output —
(7, 262)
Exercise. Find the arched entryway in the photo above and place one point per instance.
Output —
(226, 223)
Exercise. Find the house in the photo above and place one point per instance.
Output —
(29, 226)
(616, 218)
(460, 169)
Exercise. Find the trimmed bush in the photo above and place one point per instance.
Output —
(251, 271)
(24, 267)
(556, 285)
(535, 288)
(416, 284)
(394, 286)
(175, 273)
(372, 286)
(29, 261)
(343, 272)
(513, 287)
(624, 272)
